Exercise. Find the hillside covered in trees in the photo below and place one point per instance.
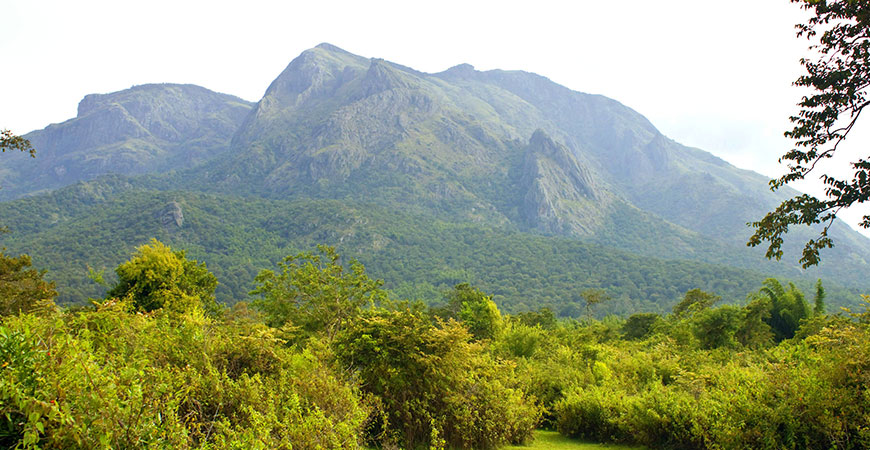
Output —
(323, 357)
(505, 179)
(375, 257)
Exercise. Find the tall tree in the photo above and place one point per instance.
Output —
(839, 73)
(593, 297)
(787, 308)
(819, 301)
(314, 291)
(438, 388)
(159, 278)
(23, 289)
(475, 309)
(695, 301)
(754, 330)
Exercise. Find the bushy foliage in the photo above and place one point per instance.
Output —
(474, 309)
(315, 292)
(158, 278)
(716, 328)
(112, 379)
(787, 308)
(640, 325)
(23, 289)
(669, 390)
(325, 359)
(437, 388)
(695, 301)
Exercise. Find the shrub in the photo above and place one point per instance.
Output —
(437, 387)
(110, 378)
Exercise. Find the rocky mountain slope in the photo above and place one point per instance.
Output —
(144, 129)
(456, 144)
(503, 150)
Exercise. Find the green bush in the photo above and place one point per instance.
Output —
(590, 413)
(437, 387)
(110, 378)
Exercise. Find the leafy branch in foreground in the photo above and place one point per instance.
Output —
(840, 76)
(10, 141)
(13, 142)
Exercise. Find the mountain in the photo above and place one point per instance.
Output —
(459, 144)
(508, 153)
(149, 128)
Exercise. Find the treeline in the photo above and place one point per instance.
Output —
(97, 225)
(324, 357)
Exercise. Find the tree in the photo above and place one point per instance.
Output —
(474, 309)
(754, 331)
(839, 73)
(544, 318)
(22, 289)
(695, 301)
(437, 387)
(787, 308)
(315, 292)
(593, 297)
(12, 142)
(640, 325)
(718, 327)
(819, 300)
(158, 278)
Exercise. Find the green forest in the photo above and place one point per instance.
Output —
(376, 257)
(96, 225)
(321, 356)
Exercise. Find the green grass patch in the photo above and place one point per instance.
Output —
(555, 441)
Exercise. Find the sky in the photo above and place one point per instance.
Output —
(709, 74)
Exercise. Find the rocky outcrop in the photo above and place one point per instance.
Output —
(560, 195)
(171, 217)
(148, 128)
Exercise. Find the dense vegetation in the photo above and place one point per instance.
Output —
(98, 224)
(323, 357)
(495, 150)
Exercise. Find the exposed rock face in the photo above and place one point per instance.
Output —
(560, 194)
(171, 216)
(453, 145)
(337, 125)
(149, 128)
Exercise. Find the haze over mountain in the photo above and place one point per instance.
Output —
(503, 150)
(149, 128)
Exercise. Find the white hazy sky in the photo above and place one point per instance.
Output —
(710, 74)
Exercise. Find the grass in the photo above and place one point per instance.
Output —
(555, 441)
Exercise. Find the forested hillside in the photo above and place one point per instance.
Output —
(508, 155)
(322, 357)
(95, 225)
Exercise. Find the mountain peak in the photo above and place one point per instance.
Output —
(146, 128)
(541, 138)
(331, 48)
(382, 76)
(93, 102)
(463, 70)
(311, 71)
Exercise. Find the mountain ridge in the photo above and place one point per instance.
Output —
(147, 128)
(505, 149)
